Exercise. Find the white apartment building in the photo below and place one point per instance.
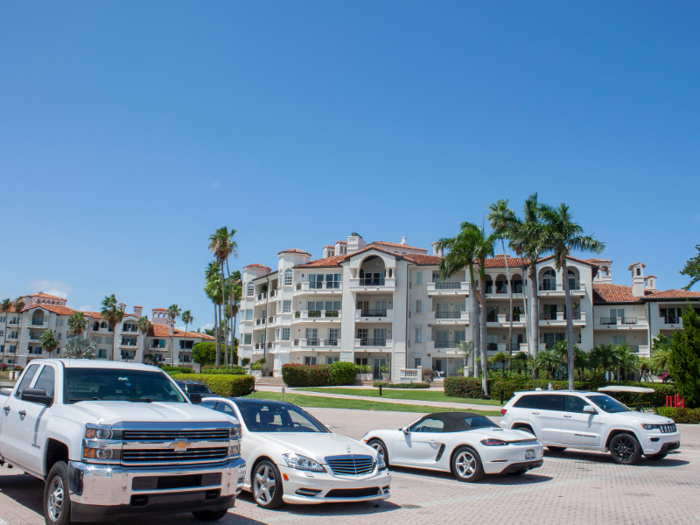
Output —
(20, 334)
(384, 303)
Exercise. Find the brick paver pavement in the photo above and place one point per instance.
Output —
(571, 488)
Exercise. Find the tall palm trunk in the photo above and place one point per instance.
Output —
(114, 341)
(477, 326)
(484, 357)
(216, 334)
(510, 302)
(569, 322)
(223, 301)
(534, 314)
(525, 312)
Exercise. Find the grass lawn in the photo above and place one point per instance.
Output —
(392, 393)
(359, 404)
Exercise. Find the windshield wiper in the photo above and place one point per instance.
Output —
(139, 399)
(71, 400)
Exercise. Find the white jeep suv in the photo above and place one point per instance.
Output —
(592, 421)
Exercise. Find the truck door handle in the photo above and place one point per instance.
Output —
(22, 413)
(7, 410)
(535, 413)
(567, 415)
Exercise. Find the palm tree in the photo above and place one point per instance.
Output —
(581, 361)
(601, 356)
(502, 219)
(143, 325)
(214, 291)
(467, 348)
(19, 304)
(222, 245)
(6, 306)
(113, 314)
(562, 236)
(77, 323)
(500, 357)
(520, 359)
(235, 302)
(187, 319)
(626, 358)
(49, 342)
(173, 314)
(549, 360)
(80, 348)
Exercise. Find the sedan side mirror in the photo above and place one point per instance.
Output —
(329, 428)
(196, 399)
(588, 409)
(37, 395)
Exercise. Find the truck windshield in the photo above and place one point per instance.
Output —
(99, 384)
(609, 404)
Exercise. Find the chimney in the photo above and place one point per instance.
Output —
(404, 240)
(123, 307)
(138, 311)
(355, 242)
(328, 251)
(637, 270)
(650, 282)
(437, 251)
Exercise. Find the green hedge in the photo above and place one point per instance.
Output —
(342, 373)
(223, 385)
(681, 415)
(177, 370)
(226, 370)
(339, 373)
(467, 387)
(384, 384)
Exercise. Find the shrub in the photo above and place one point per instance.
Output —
(177, 370)
(342, 373)
(467, 387)
(258, 365)
(384, 384)
(384, 369)
(223, 385)
(364, 369)
(204, 353)
(295, 374)
(230, 370)
(428, 372)
(681, 415)
(245, 361)
(684, 361)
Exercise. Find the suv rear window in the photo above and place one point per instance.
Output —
(527, 402)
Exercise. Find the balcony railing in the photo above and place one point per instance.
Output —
(373, 313)
(319, 285)
(37, 323)
(448, 314)
(371, 281)
(372, 342)
(447, 344)
(262, 296)
(314, 313)
(317, 342)
(447, 286)
(491, 347)
(260, 321)
(548, 286)
(497, 289)
(618, 320)
(561, 316)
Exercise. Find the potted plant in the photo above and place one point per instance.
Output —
(364, 372)
(256, 369)
(427, 375)
(245, 362)
(385, 372)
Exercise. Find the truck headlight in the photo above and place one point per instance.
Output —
(234, 433)
(647, 426)
(302, 463)
(98, 432)
(97, 453)
(234, 450)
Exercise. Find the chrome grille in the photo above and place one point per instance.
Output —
(169, 455)
(666, 429)
(350, 465)
(175, 435)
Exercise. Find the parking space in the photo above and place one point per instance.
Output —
(571, 487)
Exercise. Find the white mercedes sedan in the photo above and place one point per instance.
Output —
(293, 458)
(468, 445)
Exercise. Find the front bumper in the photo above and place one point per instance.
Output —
(331, 488)
(108, 492)
(510, 458)
(657, 442)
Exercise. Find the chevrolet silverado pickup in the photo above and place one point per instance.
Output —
(113, 440)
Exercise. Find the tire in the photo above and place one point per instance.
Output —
(656, 457)
(517, 472)
(526, 429)
(466, 465)
(266, 485)
(378, 445)
(210, 515)
(56, 496)
(556, 449)
(625, 449)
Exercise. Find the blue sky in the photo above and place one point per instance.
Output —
(130, 131)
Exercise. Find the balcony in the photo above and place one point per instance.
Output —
(671, 323)
(272, 321)
(448, 317)
(621, 323)
(35, 324)
(35, 337)
(128, 344)
(549, 289)
(410, 374)
(502, 292)
(262, 321)
(559, 319)
(449, 347)
(325, 287)
(503, 320)
(327, 316)
(373, 345)
(12, 337)
(163, 348)
(317, 344)
(373, 284)
(441, 289)
(374, 316)
(13, 322)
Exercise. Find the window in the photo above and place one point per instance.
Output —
(309, 360)
(618, 339)
(419, 306)
(428, 424)
(360, 360)
(247, 339)
(251, 290)
(639, 271)
(288, 277)
(285, 334)
(279, 307)
(58, 337)
(608, 404)
(2, 332)
(553, 402)
(419, 277)
(226, 409)
(330, 360)
(26, 380)
(186, 345)
(2, 319)
(574, 404)
(60, 322)
(249, 315)
(419, 335)
(417, 362)
(286, 307)
(103, 324)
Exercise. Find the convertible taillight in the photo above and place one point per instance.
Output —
(493, 442)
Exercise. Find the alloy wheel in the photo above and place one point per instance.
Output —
(625, 448)
(376, 445)
(55, 502)
(264, 483)
(465, 464)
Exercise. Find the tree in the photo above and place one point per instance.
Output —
(550, 361)
(467, 348)
(502, 220)
(581, 361)
(520, 360)
(19, 304)
(77, 323)
(143, 325)
(692, 269)
(660, 355)
(113, 314)
(213, 290)
(187, 319)
(48, 341)
(6, 306)
(235, 301)
(562, 235)
(173, 314)
(626, 360)
(80, 348)
(684, 362)
(222, 245)
(602, 356)
(500, 357)
(204, 353)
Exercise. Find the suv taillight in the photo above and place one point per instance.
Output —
(503, 411)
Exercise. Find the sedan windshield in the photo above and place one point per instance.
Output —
(99, 384)
(608, 404)
(261, 417)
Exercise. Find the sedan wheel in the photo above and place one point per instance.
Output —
(267, 485)
(466, 465)
(377, 445)
(625, 449)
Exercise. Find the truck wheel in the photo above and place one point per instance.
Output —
(210, 515)
(56, 496)
(267, 485)
(625, 449)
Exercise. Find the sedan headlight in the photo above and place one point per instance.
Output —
(381, 465)
(302, 463)
(493, 442)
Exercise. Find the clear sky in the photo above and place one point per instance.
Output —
(130, 131)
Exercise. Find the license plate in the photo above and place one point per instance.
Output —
(530, 454)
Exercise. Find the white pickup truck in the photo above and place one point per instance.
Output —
(113, 440)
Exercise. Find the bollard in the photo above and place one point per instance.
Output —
(501, 397)
(380, 390)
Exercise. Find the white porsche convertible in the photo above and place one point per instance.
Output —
(293, 458)
(468, 445)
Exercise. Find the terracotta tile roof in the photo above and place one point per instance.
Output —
(327, 262)
(161, 330)
(614, 293)
(422, 259)
(46, 296)
(650, 277)
(595, 261)
(341, 242)
(500, 262)
(570, 258)
(93, 315)
(160, 309)
(396, 245)
(294, 250)
(254, 265)
(670, 295)
(60, 310)
(329, 246)
(635, 264)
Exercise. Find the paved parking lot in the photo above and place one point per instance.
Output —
(572, 487)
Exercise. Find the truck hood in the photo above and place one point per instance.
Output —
(316, 445)
(641, 417)
(112, 412)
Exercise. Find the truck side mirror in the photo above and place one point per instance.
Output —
(588, 409)
(196, 399)
(37, 395)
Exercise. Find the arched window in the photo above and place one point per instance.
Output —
(639, 271)
(573, 285)
(103, 324)
(96, 325)
(549, 280)
(288, 277)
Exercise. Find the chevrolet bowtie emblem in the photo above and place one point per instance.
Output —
(180, 445)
